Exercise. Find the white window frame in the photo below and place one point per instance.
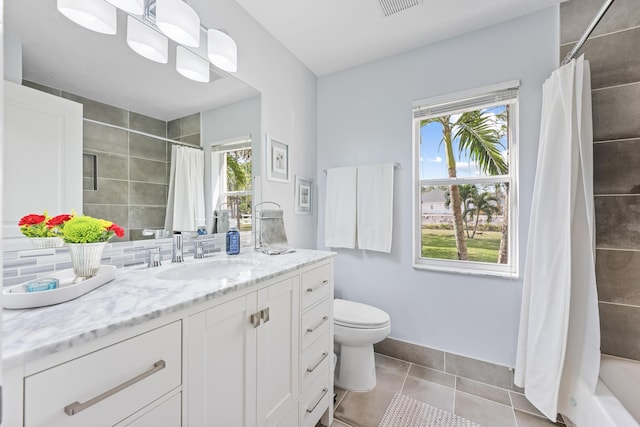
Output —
(499, 94)
(219, 164)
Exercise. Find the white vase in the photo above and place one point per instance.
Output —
(46, 242)
(85, 258)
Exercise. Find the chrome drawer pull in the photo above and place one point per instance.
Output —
(76, 407)
(313, 368)
(313, 328)
(324, 393)
(318, 286)
(264, 315)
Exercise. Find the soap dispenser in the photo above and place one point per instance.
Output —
(233, 239)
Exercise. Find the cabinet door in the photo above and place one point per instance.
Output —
(222, 366)
(278, 351)
(42, 155)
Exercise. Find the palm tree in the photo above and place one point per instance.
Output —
(475, 134)
(481, 203)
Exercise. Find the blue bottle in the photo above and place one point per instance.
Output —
(233, 240)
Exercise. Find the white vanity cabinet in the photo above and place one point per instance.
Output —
(257, 356)
(243, 359)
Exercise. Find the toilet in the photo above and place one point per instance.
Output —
(357, 327)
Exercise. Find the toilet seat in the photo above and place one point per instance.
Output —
(350, 314)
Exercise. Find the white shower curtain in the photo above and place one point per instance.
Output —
(185, 204)
(558, 353)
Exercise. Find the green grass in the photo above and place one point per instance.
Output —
(441, 244)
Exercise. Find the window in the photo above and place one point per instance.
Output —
(231, 180)
(465, 187)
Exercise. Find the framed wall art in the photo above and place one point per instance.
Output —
(303, 195)
(277, 160)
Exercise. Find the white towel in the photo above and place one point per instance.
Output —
(340, 211)
(375, 207)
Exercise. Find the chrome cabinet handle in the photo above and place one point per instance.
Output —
(317, 325)
(255, 319)
(76, 407)
(318, 286)
(324, 393)
(264, 315)
(313, 368)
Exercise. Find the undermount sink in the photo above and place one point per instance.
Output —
(212, 269)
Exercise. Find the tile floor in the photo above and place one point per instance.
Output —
(498, 407)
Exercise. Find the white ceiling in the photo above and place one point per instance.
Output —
(326, 35)
(332, 35)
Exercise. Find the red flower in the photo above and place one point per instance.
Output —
(32, 219)
(119, 231)
(58, 220)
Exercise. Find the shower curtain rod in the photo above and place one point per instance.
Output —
(588, 31)
(149, 135)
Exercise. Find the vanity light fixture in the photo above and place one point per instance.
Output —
(192, 66)
(148, 22)
(178, 21)
(222, 50)
(95, 15)
(146, 41)
(133, 7)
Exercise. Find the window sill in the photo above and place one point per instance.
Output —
(470, 268)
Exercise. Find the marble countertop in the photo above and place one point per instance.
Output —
(133, 297)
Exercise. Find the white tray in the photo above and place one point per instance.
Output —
(16, 297)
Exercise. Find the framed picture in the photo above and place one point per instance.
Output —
(303, 196)
(277, 160)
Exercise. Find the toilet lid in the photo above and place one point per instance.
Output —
(358, 315)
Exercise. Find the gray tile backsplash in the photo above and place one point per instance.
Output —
(615, 77)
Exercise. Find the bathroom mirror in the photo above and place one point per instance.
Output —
(64, 59)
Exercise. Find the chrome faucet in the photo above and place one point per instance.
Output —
(176, 252)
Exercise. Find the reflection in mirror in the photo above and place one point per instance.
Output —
(231, 182)
(134, 110)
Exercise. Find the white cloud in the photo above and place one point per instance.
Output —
(437, 159)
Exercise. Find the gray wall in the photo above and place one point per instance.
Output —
(364, 117)
(614, 54)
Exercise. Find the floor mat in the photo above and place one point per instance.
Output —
(404, 411)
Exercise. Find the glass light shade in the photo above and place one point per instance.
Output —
(178, 21)
(147, 42)
(95, 15)
(134, 7)
(191, 65)
(222, 51)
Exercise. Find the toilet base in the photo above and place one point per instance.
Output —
(356, 370)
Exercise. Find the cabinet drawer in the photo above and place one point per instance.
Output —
(315, 360)
(315, 401)
(315, 322)
(110, 384)
(316, 285)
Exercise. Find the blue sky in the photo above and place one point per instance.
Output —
(432, 153)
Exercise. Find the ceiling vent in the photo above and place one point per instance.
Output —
(390, 7)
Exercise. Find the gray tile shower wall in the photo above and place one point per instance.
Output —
(615, 77)
(132, 169)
